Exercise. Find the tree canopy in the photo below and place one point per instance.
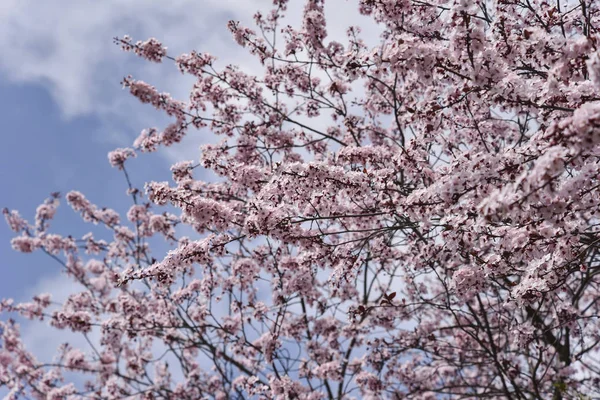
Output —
(414, 220)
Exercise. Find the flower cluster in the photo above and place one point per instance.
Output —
(412, 220)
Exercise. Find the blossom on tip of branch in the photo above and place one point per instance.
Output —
(118, 157)
(415, 218)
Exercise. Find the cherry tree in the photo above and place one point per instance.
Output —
(414, 220)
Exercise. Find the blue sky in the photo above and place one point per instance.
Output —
(42, 153)
(63, 109)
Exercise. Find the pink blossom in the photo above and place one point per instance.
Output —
(14, 220)
(118, 157)
(410, 214)
(26, 244)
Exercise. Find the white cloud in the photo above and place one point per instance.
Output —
(66, 46)
(59, 285)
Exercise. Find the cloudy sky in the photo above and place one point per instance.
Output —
(63, 109)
